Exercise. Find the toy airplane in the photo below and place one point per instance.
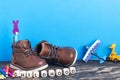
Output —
(91, 51)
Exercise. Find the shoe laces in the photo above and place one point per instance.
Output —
(28, 51)
(53, 51)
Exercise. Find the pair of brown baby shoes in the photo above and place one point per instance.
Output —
(24, 58)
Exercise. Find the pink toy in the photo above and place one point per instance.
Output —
(15, 29)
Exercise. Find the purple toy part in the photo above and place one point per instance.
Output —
(15, 29)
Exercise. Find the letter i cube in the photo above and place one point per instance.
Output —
(29, 74)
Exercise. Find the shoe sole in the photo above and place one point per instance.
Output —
(74, 58)
(17, 67)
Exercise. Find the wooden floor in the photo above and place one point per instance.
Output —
(85, 71)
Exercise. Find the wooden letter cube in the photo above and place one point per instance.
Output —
(58, 72)
(72, 70)
(23, 74)
(36, 74)
(44, 73)
(17, 73)
(51, 73)
(29, 74)
(66, 71)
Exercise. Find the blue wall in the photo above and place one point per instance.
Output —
(61, 22)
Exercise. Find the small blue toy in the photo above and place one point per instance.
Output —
(89, 51)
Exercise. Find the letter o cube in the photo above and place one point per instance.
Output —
(72, 70)
(58, 72)
(66, 71)
(43, 73)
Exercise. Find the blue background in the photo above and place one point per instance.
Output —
(61, 22)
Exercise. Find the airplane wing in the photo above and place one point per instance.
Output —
(90, 50)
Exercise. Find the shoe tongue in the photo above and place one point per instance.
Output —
(44, 49)
(24, 43)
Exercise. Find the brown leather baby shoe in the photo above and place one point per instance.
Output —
(24, 58)
(65, 55)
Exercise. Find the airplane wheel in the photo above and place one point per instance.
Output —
(115, 60)
(107, 59)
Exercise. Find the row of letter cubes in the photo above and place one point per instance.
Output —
(45, 73)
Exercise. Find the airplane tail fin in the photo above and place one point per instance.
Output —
(102, 60)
